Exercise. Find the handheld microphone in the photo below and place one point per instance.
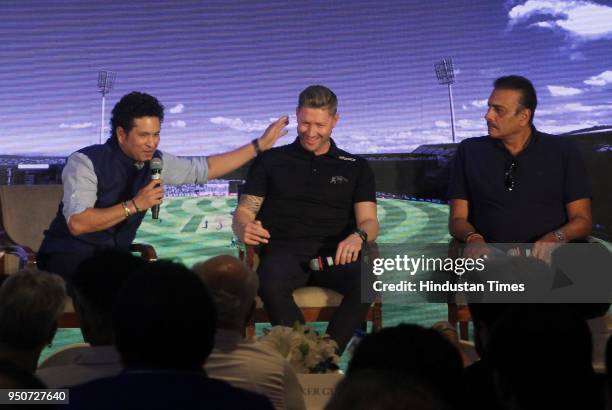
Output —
(321, 263)
(156, 169)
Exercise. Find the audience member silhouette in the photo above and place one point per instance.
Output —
(415, 353)
(31, 303)
(14, 377)
(250, 365)
(543, 360)
(95, 285)
(164, 325)
(381, 390)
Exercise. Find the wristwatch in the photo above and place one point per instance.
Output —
(362, 234)
(255, 143)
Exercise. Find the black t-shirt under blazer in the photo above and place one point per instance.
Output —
(309, 197)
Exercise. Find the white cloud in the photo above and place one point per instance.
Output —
(577, 56)
(601, 79)
(76, 126)
(560, 91)
(491, 72)
(543, 24)
(472, 124)
(584, 20)
(480, 103)
(579, 107)
(543, 111)
(442, 124)
(177, 109)
(239, 125)
(178, 124)
(565, 128)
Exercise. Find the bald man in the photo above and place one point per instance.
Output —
(245, 364)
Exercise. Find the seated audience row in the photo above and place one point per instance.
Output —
(160, 335)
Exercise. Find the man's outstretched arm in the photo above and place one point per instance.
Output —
(221, 164)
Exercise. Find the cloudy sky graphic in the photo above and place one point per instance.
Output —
(225, 69)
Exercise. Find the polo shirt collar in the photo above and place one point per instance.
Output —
(123, 158)
(534, 139)
(333, 152)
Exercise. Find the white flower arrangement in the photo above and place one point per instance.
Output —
(306, 351)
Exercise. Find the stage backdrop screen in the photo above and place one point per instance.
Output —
(224, 69)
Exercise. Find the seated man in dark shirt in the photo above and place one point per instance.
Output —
(304, 200)
(518, 185)
(164, 327)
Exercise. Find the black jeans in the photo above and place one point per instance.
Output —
(284, 267)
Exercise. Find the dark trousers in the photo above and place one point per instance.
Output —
(62, 263)
(284, 267)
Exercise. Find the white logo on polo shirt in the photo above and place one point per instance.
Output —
(338, 179)
(346, 158)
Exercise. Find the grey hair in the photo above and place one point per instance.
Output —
(31, 303)
(233, 287)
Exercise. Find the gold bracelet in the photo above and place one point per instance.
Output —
(135, 206)
(126, 209)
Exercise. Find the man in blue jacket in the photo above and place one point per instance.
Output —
(108, 187)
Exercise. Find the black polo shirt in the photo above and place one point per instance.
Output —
(549, 174)
(309, 197)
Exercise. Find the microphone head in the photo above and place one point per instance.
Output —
(156, 164)
(314, 264)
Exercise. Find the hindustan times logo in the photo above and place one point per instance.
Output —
(410, 265)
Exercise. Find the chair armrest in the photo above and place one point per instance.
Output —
(249, 254)
(27, 257)
(146, 251)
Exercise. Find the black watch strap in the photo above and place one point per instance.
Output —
(362, 234)
(255, 143)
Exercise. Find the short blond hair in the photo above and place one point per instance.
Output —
(318, 96)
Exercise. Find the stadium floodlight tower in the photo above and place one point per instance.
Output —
(106, 80)
(445, 71)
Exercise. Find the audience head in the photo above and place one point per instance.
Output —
(410, 351)
(485, 316)
(609, 356)
(15, 377)
(164, 318)
(31, 303)
(96, 283)
(233, 287)
(542, 358)
(380, 390)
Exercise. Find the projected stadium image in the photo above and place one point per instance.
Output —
(196, 228)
